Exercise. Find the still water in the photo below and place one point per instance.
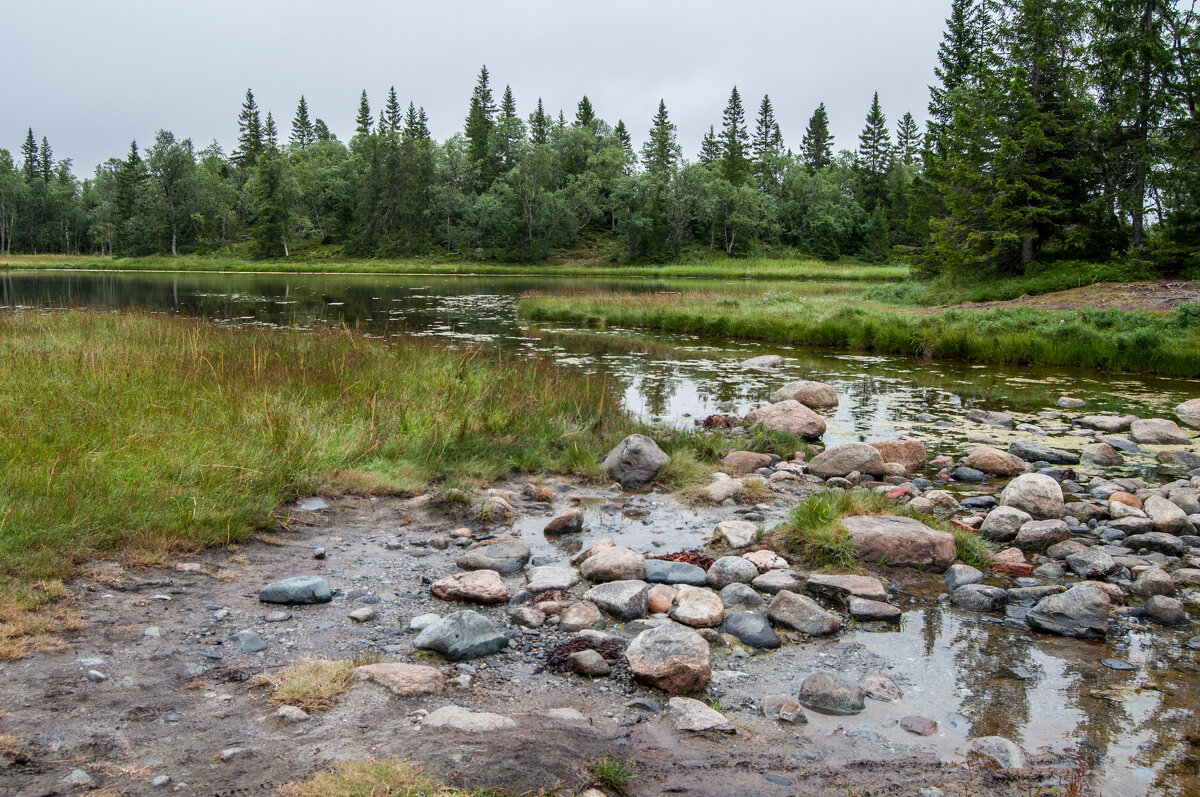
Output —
(972, 675)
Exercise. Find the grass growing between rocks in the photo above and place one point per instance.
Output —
(813, 528)
(143, 435)
(311, 684)
(613, 773)
(713, 268)
(385, 778)
(1116, 340)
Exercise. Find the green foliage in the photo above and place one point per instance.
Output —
(813, 528)
(613, 773)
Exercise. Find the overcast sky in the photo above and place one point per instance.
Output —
(99, 74)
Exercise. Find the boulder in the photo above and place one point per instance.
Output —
(731, 570)
(784, 708)
(460, 636)
(635, 461)
(589, 552)
(766, 560)
(831, 694)
(1165, 611)
(869, 610)
(979, 598)
(1153, 582)
(900, 542)
(989, 418)
(670, 657)
(543, 579)
(1003, 523)
(737, 533)
(1035, 493)
(1038, 535)
(506, 556)
(689, 714)
(1000, 750)
(1167, 516)
(817, 395)
(698, 607)
(663, 571)
(614, 564)
(569, 522)
(751, 628)
(961, 575)
(745, 461)
(878, 686)
(474, 586)
(1157, 432)
(801, 613)
(661, 598)
(1102, 455)
(909, 453)
(740, 597)
(787, 416)
(624, 600)
(581, 616)
(1093, 562)
(589, 663)
(1081, 611)
(994, 462)
(722, 490)
(840, 587)
(1070, 402)
(405, 680)
(774, 581)
(1158, 541)
(846, 459)
(764, 362)
(1108, 423)
(298, 589)
(1189, 412)
(1036, 452)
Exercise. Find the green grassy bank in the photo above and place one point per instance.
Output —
(722, 268)
(1167, 344)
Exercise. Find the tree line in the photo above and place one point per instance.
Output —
(1057, 130)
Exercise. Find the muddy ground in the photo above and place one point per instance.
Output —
(172, 702)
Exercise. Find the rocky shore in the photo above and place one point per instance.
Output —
(553, 622)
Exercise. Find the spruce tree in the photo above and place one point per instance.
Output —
(585, 115)
(362, 122)
(303, 133)
(270, 134)
(29, 157)
(250, 138)
(539, 125)
(816, 149)
(767, 148)
(321, 131)
(509, 132)
(959, 61)
(735, 167)
(480, 120)
(623, 139)
(908, 140)
(45, 161)
(874, 156)
(392, 115)
(710, 148)
(125, 202)
(661, 152)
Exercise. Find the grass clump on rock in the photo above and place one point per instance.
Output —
(814, 530)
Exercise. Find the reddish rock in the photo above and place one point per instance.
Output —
(475, 586)
(1018, 569)
(569, 522)
(903, 491)
(901, 542)
(922, 726)
(909, 453)
(1128, 499)
(662, 596)
(745, 461)
(835, 586)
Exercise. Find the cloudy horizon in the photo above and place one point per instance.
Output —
(188, 65)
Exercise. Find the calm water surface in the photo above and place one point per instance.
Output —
(973, 676)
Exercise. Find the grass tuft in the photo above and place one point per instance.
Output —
(385, 778)
(614, 773)
(311, 684)
(813, 528)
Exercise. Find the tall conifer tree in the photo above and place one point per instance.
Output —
(303, 133)
(735, 166)
(816, 149)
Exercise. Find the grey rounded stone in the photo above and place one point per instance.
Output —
(635, 461)
(624, 600)
(506, 556)
(298, 589)
(662, 571)
(831, 694)
(731, 570)
(461, 635)
(979, 598)
(752, 629)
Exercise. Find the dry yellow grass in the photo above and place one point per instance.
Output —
(312, 684)
(386, 778)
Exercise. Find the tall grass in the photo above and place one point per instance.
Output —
(723, 268)
(1100, 339)
(147, 434)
